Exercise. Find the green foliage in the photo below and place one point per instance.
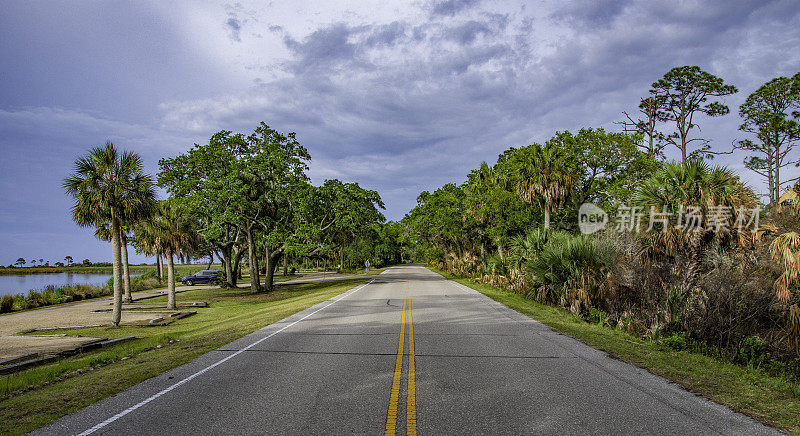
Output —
(252, 195)
(146, 281)
(767, 114)
(610, 166)
(490, 199)
(544, 174)
(597, 316)
(676, 341)
(7, 304)
(109, 186)
(647, 137)
(676, 301)
(571, 263)
(440, 220)
(751, 351)
(54, 295)
(683, 93)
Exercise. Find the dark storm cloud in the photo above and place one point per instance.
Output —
(234, 26)
(386, 35)
(323, 48)
(591, 12)
(401, 105)
(450, 8)
(466, 33)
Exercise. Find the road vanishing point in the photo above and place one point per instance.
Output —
(407, 352)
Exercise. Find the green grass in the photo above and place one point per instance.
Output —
(35, 397)
(772, 400)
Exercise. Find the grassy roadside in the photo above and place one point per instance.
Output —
(38, 396)
(772, 400)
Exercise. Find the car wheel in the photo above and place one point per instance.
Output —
(189, 282)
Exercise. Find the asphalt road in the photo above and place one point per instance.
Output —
(479, 368)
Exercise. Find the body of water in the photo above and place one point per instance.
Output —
(21, 284)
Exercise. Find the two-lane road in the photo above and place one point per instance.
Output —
(475, 367)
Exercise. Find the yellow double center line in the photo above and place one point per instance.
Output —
(411, 401)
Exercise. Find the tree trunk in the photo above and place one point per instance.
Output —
(255, 283)
(285, 265)
(341, 257)
(272, 263)
(237, 264)
(547, 215)
(116, 259)
(210, 259)
(777, 176)
(501, 252)
(227, 265)
(128, 298)
(170, 281)
(160, 265)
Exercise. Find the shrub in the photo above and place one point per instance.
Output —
(751, 350)
(34, 299)
(597, 316)
(7, 304)
(676, 341)
(572, 268)
(148, 280)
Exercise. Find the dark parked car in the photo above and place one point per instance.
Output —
(206, 276)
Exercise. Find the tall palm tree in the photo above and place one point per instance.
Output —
(544, 175)
(109, 186)
(174, 232)
(146, 241)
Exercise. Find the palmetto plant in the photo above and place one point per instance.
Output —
(709, 190)
(572, 268)
(526, 248)
(545, 175)
(785, 249)
(110, 187)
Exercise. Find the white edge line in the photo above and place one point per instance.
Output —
(213, 365)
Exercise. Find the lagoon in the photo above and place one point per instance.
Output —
(21, 284)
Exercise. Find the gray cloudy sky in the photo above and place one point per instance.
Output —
(399, 97)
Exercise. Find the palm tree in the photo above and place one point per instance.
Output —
(146, 239)
(109, 186)
(679, 187)
(172, 231)
(545, 175)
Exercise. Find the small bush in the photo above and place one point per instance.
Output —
(597, 316)
(676, 341)
(751, 351)
(7, 304)
(572, 265)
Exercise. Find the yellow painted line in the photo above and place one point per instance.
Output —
(411, 399)
(391, 416)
